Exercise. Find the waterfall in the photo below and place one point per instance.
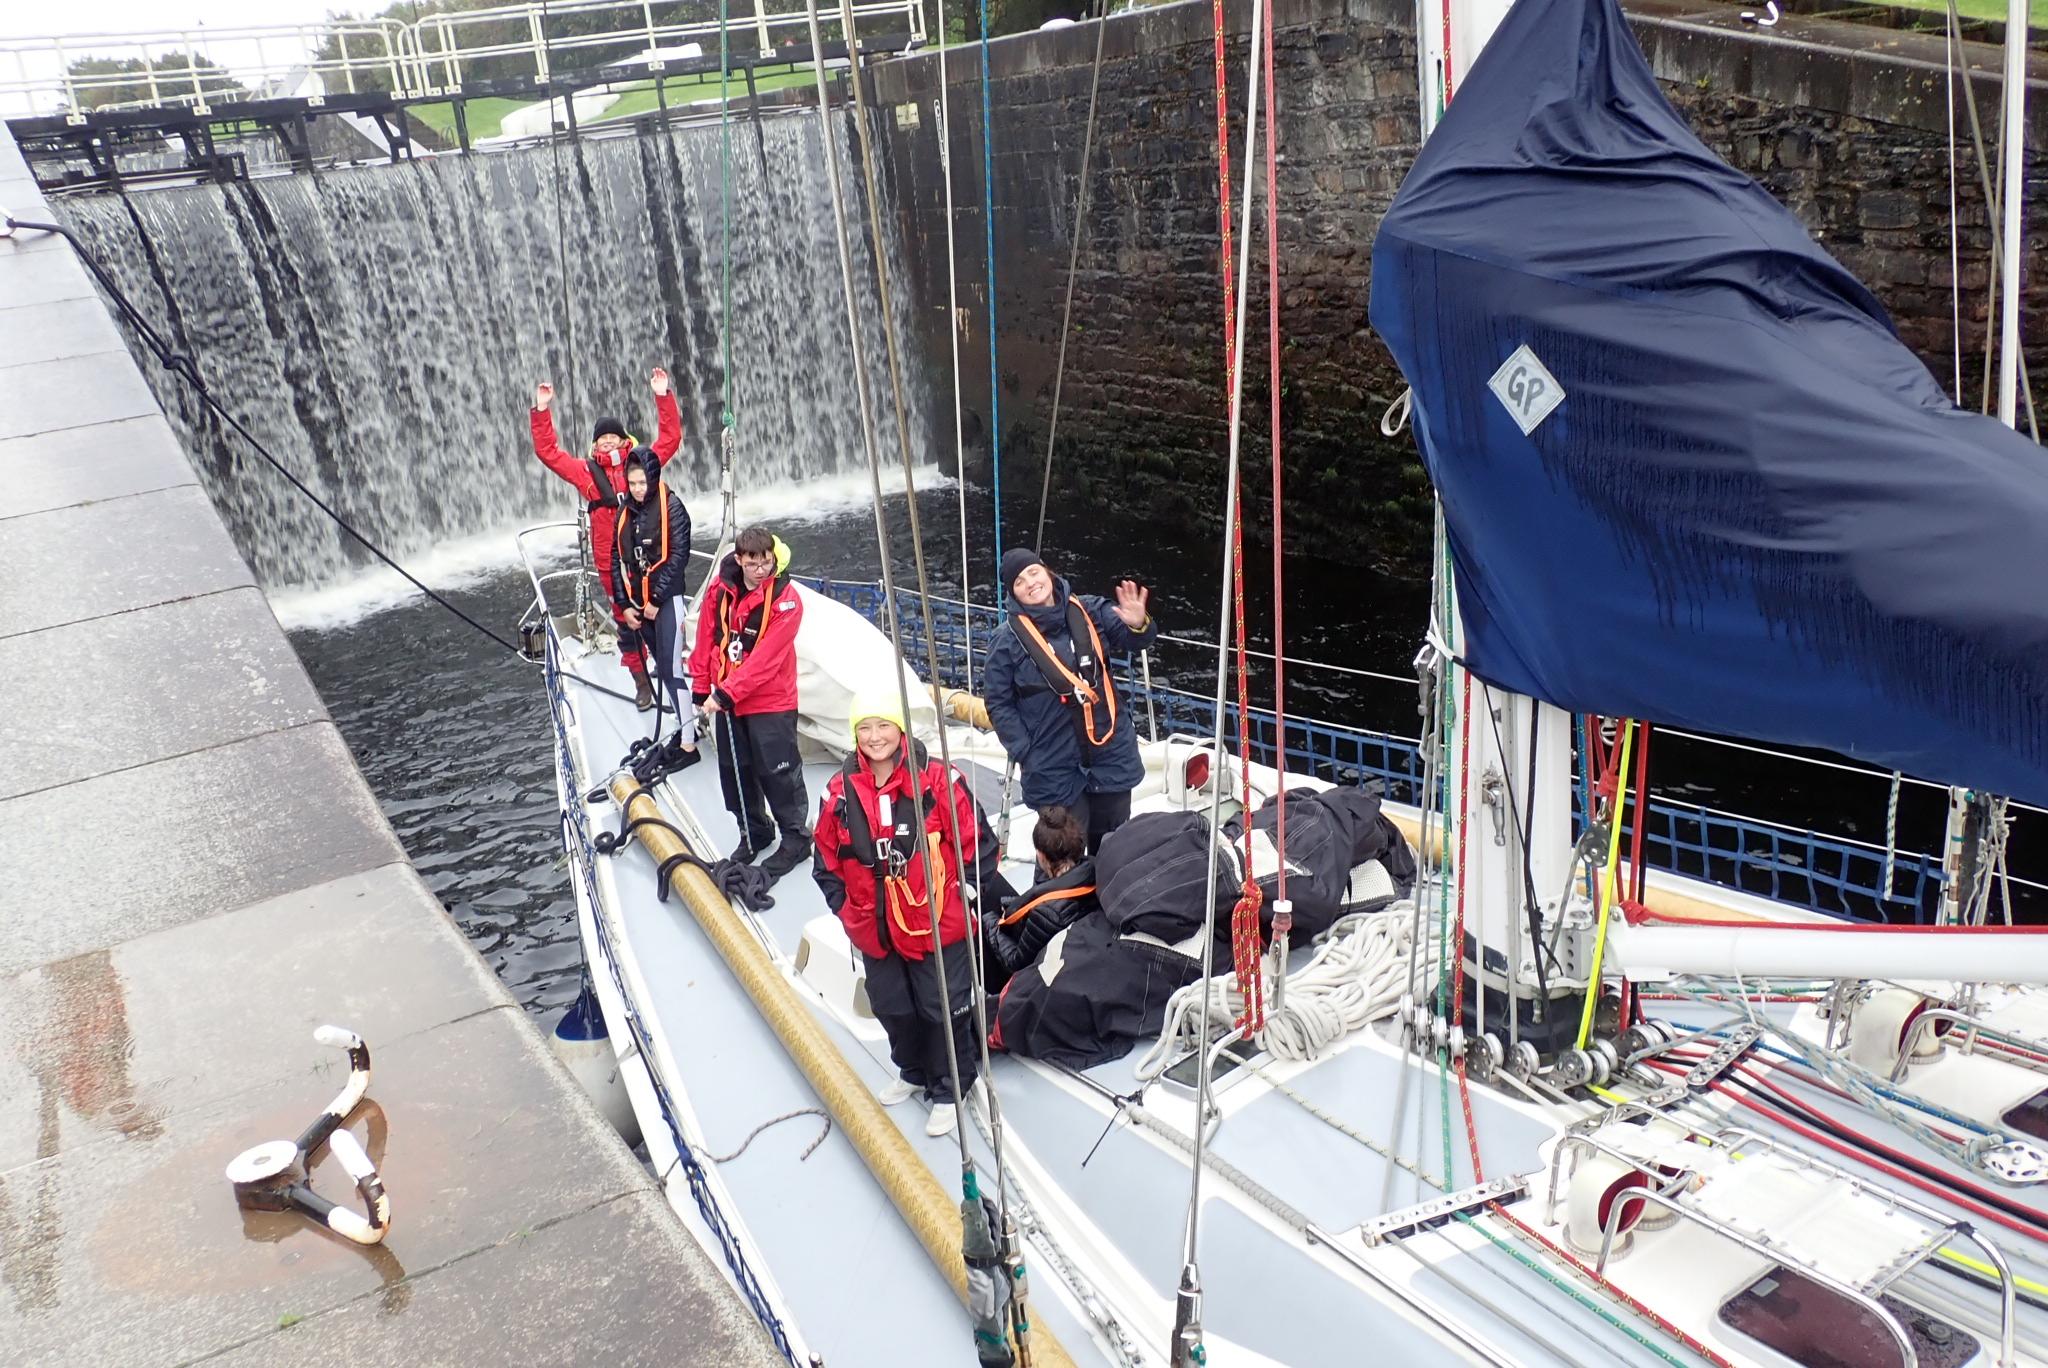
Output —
(381, 328)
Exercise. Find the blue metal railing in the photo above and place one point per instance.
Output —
(1803, 869)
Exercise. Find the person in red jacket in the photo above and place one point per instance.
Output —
(878, 873)
(601, 479)
(744, 670)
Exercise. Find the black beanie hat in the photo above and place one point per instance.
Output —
(1016, 561)
(608, 425)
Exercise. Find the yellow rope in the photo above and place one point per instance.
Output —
(1628, 739)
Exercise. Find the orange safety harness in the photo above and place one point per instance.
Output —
(658, 495)
(1024, 909)
(886, 859)
(1078, 688)
(746, 638)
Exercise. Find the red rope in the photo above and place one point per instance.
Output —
(1447, 53)
(1557, 1251)
(1946, 1190)
(1245, 944)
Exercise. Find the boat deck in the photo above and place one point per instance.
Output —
(866, 1292)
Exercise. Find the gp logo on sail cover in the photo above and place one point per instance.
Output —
(1526, 388)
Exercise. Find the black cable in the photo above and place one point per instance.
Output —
(180, 364)
(1741, 1078)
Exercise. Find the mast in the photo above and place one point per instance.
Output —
(1964, 844)
(2014, 194)
(1509, 762)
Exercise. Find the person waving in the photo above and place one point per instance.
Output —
(1049, 692)
(600, 478)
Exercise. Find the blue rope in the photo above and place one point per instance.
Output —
(988, 224)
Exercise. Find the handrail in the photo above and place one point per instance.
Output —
(231, 62)
(424, 59)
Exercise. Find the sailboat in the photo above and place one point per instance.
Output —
(1546, 1106)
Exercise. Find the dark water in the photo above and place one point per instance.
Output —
(453, 733)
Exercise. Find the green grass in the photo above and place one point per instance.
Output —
(485, 115)
(2037, 10)
(641, 99)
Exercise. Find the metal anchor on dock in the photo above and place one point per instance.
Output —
(272, 1176)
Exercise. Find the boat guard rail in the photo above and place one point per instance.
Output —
(583, 855)
(1835, 875)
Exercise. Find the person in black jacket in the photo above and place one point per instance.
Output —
(651, 553)
(1064, 893)
(1049, 692)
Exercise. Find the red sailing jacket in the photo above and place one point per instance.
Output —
(905, 927)
(668, 439)
(746, 642)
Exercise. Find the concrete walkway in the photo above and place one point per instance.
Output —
(195, 876)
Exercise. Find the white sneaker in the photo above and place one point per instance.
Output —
(897, 1091)
(940, 1122)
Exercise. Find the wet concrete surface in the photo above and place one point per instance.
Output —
(197, 877)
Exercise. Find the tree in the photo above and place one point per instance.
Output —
(175, 74)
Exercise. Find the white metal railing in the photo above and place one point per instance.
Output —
(196, 68)
(443, 43)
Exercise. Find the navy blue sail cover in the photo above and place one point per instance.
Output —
(1753, 511)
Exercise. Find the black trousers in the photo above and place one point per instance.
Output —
(758, 760)
(1102, 813)
(905, 996)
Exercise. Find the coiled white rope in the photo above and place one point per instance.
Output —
(1357, 975)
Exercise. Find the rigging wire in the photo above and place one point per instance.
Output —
(1283, 918)
(184, 366)
(973, 1231)
(727, 418)
(1187, 1346)
(1059, 371)
(561, 220)
(934, 879)
(1991, 203)
(977, 994)
(988, 226)
(953, 340)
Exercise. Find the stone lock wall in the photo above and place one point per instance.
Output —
(1850, 140)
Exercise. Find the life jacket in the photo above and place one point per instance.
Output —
(642, 557)
(613, 495)
(900, 910)
(1087, 686)
(736, 640)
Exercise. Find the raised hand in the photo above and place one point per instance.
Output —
(543, 396)
(659, 380)
(1133, 604)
